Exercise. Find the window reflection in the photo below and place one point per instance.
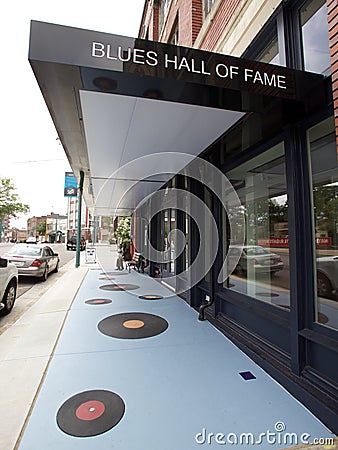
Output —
(262, 271)
(313, 20)
(270, 53)
(207, 5)
(325, 209)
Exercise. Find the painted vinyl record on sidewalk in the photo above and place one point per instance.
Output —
(114, 273)
(98, 301)
(119, 287)
(90, 413)
(150, 297)
(135, 325)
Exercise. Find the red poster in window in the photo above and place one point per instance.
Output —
(324, 242)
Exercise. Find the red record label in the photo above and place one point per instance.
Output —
(90, 410)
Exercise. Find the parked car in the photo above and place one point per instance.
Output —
(258, 259)
(71, 243)
(31, 240)
(8, 286)
(327, 276)
(34, 260)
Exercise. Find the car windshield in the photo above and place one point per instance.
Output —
(25, 251)
(256, 251)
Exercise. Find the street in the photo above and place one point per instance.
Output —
(29, 283)
(25, 283)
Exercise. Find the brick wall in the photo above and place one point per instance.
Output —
(332, 6)
(190, 20)
(197, 18)
(219, 23)
(149, 24)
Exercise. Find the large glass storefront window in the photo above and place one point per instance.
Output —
(263, 268)
(206, 248)
(315, 38)
(322, 143)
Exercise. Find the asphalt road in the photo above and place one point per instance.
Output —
(26, 283)
(22, 304)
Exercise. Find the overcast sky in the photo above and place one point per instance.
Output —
(30, 153)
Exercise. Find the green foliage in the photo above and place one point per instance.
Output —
(326, 208)
(123, 230)
(10, 204)
(267, 211)
(41, 228)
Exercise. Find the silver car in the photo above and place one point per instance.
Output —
(8, 286)
(34, 260)
(327, 276)
(257, 258)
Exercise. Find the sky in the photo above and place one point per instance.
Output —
(30, 155)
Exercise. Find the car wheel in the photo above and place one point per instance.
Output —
(56, 268)
(45, 274)
(324, 286)
(9, 298)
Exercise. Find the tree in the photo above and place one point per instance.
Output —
(10, 205)
(123, 232)
(123, 229)
(41, 228)
(326, 209)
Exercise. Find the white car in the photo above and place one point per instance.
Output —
(8, 286)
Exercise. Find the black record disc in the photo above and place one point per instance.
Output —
(119, 287)
(134, 325)
(98, 301)
(90, 413)
(114, 273)
(150, 297)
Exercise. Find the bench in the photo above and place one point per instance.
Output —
(137, 262)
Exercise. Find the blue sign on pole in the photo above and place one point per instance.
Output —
(71, 187)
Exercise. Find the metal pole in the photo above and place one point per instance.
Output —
(78, 232)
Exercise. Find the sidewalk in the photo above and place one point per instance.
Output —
(178, 389)
(26, 347)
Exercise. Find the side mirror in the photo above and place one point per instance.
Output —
(3, 262)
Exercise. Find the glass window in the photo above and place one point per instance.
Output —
(173, 38)
(271, 53)
(171, 241)
(164, 8)
(207, 6)
(322, 143)
(262, 271)
(207, 248)
(315, 38)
